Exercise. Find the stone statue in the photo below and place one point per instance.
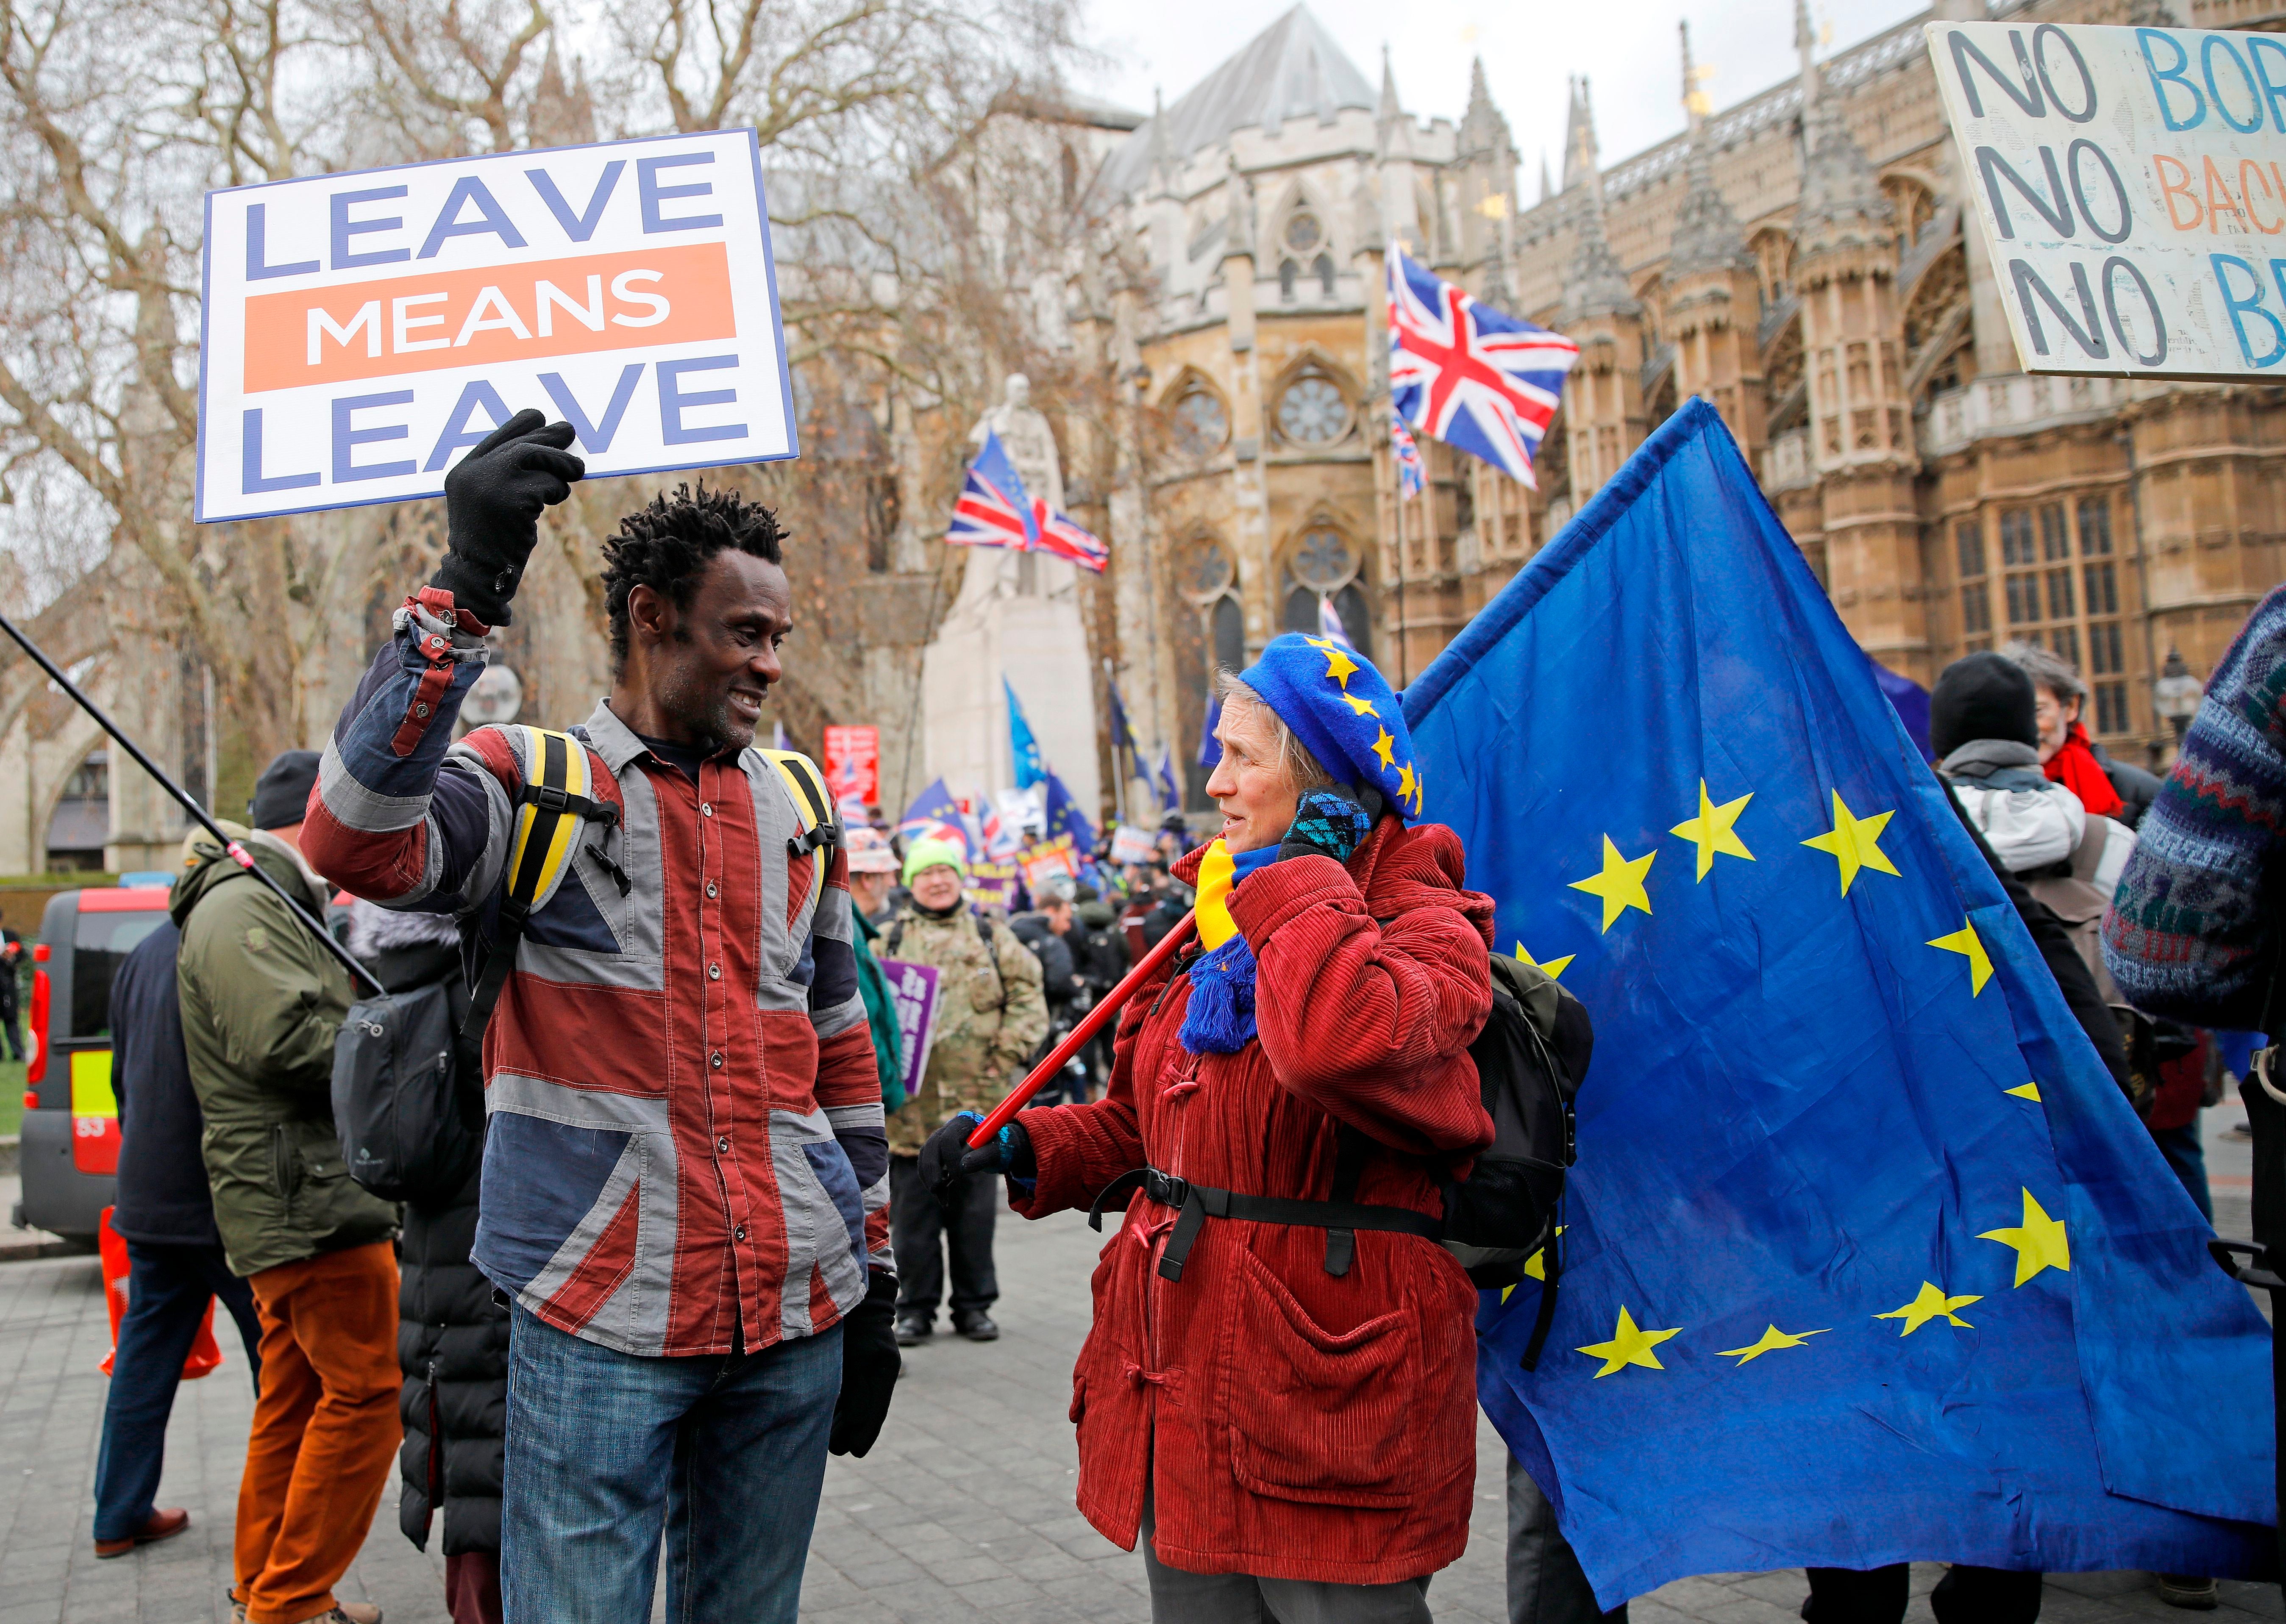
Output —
(1025, 436)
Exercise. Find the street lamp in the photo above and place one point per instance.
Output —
(2175, 695)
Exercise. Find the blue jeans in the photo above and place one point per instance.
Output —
(726, 1451)
(168, 1289)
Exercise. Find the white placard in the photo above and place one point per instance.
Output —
(362, 331)
(2131, 184)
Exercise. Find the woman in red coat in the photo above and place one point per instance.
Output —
(1280, 1395)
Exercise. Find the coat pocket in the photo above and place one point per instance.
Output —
(1318, 1416)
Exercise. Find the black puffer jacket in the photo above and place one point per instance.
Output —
(452, 1338)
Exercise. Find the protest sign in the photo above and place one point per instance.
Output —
(362, 331)
(1048, 861)
(1129, 845)
(2125, 180)
(853, 764)
(995, 885)
(913, 987)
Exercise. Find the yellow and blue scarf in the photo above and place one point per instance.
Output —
(1220, 1019)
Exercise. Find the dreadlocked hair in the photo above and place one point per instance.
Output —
(666, 546)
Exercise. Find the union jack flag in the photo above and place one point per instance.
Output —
(1064, 539)
(993, 510)
(1472, 377)
(1411, 479)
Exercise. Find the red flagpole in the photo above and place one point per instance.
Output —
(1091, 1024)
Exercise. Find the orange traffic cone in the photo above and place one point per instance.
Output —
(206, 1353)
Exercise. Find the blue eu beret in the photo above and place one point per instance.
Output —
(1342, 710)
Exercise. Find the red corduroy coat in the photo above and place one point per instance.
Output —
(1290, 1424)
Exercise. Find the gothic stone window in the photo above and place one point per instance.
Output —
(1324, 565)
(2070, 606)
(1201, 423)
(1304, 242)
(1976, 592)
(1312, 411)
(1210, 631)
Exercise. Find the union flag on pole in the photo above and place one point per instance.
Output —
(1468, 374)
(993, 510)
(1062, 537)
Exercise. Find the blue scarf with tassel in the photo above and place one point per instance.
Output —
(1220, 1019)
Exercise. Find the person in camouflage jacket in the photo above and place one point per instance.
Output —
(990, 1014)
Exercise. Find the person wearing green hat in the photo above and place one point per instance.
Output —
(990, 1014)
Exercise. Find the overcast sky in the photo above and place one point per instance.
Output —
(1626, 47)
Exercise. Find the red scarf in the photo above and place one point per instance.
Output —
(2077, 769)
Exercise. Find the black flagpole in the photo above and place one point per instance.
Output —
(237, 851)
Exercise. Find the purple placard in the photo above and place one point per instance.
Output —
(914, 986)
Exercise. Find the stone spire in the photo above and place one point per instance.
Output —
(1707, 235)
(1841, 200)
(1547, 186)
(1163, 154)
(1596, 283)
(1389, 122)
(1483, 130)
(1579, 135)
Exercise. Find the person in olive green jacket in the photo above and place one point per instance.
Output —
(990, 1015)
(261, 1001)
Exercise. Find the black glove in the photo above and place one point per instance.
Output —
(1325, 824)
(869, 1363)
(493, 498)
(947, 1161)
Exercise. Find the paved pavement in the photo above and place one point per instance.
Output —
(962, 1511)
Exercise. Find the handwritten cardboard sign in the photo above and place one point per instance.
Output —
(2131, 186)
(363, 331)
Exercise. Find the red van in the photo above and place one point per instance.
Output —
(70, 1146)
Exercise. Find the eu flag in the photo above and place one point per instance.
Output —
(1023, 749)
(1866, 1260)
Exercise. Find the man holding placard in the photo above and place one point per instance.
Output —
(685, 1189)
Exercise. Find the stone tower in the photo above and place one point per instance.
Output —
(1712, 300)
(1604, 406)
(1860, 424)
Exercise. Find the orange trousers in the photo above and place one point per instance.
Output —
(325, 1428)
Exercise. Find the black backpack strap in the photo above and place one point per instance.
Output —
(896, 934)
(1552, 1266)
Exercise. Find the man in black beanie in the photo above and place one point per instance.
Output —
(282, 795)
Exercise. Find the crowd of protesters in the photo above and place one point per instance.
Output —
(717, 1196)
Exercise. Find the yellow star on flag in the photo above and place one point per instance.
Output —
(1362, 707)
(1553, 967)
(1966, 942)
(1420, 788)
(1770, 1342)
(1339, 666)
(1620, 885)
(2030, 1091)
(1930, 1304)
(2039, 1242)
(1534, 1265)
(1711, 830)
(1854, 843)
(1385, 748)
(1630, 1345)
(1404, 782)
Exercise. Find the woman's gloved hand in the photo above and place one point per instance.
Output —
(947, 1161)
(1325, 824)
(870, 1362)
(493, 502)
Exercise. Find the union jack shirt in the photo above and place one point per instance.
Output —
(685, 1140)
(1468, 374)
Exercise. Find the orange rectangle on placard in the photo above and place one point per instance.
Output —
(418, 323)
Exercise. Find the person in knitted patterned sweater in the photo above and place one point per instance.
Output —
(2194, 926)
